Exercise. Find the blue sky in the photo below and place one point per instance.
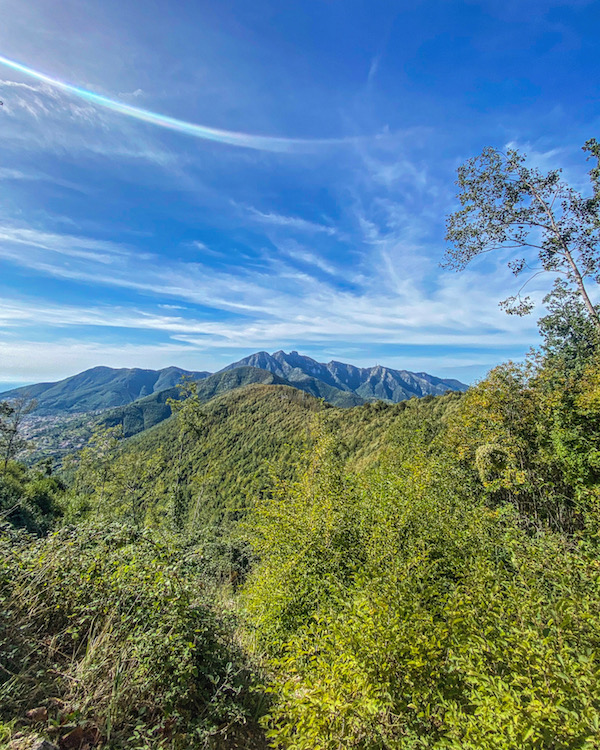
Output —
(131, 245)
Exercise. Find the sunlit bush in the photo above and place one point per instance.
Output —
(110, 624)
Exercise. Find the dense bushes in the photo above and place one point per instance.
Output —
(420, 575)
(533, 433)
(463, 634)
(29, 498)
(109, 628)
(407, 608)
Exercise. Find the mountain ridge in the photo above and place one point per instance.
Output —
(100, 388)
(370, 383)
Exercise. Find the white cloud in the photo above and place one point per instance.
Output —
(294, 250)
(101, 251)
(36, 361)
(131, 94)
(8, 174)
(14, 174)
(381, 286)
(40, 118)
(291, 222)
(373, 68)
(274, 309)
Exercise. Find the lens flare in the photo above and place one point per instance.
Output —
(244, 140)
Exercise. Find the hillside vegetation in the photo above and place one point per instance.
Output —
(151, 410)
(263, 569)
(448, 597)
(233, 446)
(336, 383)
(65, 414)
(128, 591)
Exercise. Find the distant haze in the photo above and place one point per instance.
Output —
(9, 385)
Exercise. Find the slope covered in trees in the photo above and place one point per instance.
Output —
(151, 410)
(146, 524)
(414, 575)
(449, 596)
(266, 570)
(234, 445)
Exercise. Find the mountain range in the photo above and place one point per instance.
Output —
(141, 395)
(369, 383)
(99, 388)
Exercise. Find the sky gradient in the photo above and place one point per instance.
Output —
(189, 183)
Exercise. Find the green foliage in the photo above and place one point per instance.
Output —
(491, 461)
(12, 414)
(568, 332)
(308, 537)
(151, 410)
(29, 498)
(400, 611)
(413, 575)
(314, 533)
(245, 438)
(109, 628)
(532, 432)
(507, 205)
(457, 646)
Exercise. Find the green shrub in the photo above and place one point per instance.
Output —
(399, 611)
(489, 648)
(112, 621)
(29, 499)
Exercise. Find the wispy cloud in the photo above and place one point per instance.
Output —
(40, 118)
(133, 94)
(291, 222)
(373, 68)
(297, 307)
(15, 174)
(294, 250)
(85, 248)
(191, 248)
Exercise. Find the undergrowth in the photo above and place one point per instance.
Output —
(114, 630)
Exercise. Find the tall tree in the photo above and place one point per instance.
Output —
(95, 463)
(508, 205)
(12, 414)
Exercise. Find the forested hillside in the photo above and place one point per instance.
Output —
(184, 491)
(420, 574)
(265, 570)
(223, 454)
(61, 416)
